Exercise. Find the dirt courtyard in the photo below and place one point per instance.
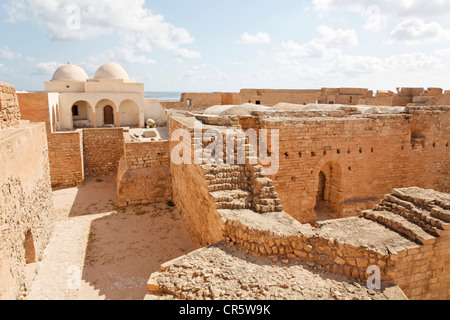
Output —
(101, 252)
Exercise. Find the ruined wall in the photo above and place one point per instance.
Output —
(192, 198)
(9, 107)
(102, 151)
(273, 97)
(371, 156)
(35, 108)
(144, 174)
(25, 207)
(66, 159)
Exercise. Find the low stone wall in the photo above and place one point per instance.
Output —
(9, 107)
(144, 174)
(66, 159)
(102, 151)
(26, 207)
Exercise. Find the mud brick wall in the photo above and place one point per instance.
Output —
(66, 159)
(26, 207)
(144, 174)
(423, 273)
(368, 157)
(9, 107)
(102, 151)
(35, 108)
(147, 155)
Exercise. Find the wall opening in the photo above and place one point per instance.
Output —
(129, 114)
(328, 196)
(108, 114)
(82, 115)
(30, 257)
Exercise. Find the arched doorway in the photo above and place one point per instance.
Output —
(129, 114)
(82, 115)
(108, 115)
(328, 197)
(105, 111)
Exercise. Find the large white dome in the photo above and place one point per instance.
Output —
(70, 72)
(111, 70)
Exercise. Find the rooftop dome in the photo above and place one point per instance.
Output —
(111, 70)
(70, 72)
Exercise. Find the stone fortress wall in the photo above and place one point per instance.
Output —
(26, 205)
(349, 96)
(406, 235)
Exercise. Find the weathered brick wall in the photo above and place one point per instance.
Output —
(144, 174)
(147, 155)
(26, 207)
(102, 151)
(371, 156)
(35, 108)
(66, 159)
(9, 107)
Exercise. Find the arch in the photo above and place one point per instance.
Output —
(328, 199)
(109, 107)
(129, 114)
(82, 115)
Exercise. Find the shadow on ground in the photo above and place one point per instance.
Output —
(96, 196)
(126, 247)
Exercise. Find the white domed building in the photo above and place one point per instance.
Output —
(110, 99)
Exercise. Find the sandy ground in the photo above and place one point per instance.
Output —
(101, 252)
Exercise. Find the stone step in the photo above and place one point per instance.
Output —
(415, 215)
(441, 214)
(228, 186)
(233, 205)
(401, 225)
(227, 180)
(230, 195)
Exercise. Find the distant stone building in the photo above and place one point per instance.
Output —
(110, 99)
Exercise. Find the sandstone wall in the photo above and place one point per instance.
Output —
(35, 108)
(66, 159)
(9, 108)
(369, 156)
(192, 198)
(102, 151)
(25, 207)
(144, 174)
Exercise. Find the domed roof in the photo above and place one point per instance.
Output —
(111, 70)
(70, 72)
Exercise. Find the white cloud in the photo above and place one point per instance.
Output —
(46, 68)
(183, 53)
(258, 38)
(312, 49)
(416, 31)
(7, 53)
(138, 28)
(339, 36)
(397, 8)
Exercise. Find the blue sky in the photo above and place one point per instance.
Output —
(211, 45)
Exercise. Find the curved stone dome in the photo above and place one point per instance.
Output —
(70, 72)
(111, 70)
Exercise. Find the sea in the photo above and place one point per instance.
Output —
(171, 96)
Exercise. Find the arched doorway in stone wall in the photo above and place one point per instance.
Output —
(105, 113)
(82, 115)
(328, 197)
(129, 114)
(108, 115)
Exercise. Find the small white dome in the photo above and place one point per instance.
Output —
(70, 72)
(111, 70)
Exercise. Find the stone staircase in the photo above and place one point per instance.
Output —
(418, 218)
(242, 186)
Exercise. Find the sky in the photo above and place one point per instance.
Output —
(227, 45)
